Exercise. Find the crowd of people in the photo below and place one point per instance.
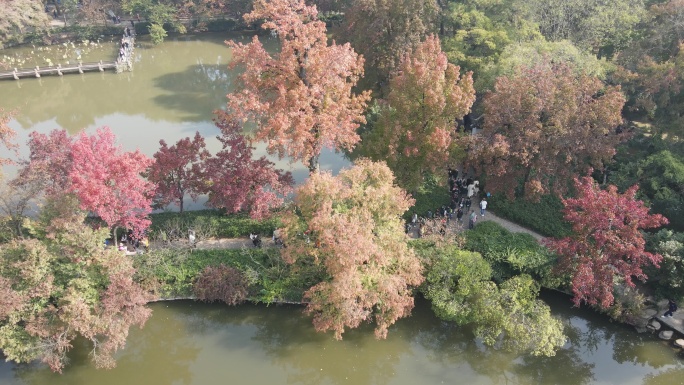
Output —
(464, 192)
(126, 47)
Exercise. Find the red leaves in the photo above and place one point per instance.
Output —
(301, 100)
(109, 183)
(607, 244)
(6, 134)
(177, 170)
(105, 180)
(236, 182)
(543, 125)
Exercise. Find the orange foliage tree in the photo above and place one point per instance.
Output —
(416, 131)
(543, 125)
(301, 99)
(351, 225)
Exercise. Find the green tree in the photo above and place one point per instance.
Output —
(599, 26)
(509, 316)
(158, 14)
(669, 277)
(528, 54)
(660, 177)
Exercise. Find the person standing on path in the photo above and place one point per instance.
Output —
(473, 220)
(483, 206)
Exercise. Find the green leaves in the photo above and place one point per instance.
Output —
(509, 316)
(509, 253)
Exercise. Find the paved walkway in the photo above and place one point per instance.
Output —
(508, 225)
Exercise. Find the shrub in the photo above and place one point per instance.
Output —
(210, 223)
(509, 253)
(544, 217)
(142, 28)
(221, 25)
(170, 273)
(221, 283)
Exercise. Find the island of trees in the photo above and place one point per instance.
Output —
(567, 112)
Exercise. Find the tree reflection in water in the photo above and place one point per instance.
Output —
(193, 343)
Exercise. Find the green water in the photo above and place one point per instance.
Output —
(204, 344)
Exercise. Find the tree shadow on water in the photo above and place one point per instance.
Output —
(197, 91)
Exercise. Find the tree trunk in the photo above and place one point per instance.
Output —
(314, 165)
(116, 239)
(527, 179)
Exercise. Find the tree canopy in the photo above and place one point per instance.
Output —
(301, 98)
(607, 245)
(416, 130)
(351, 224)
(543, 125)
(62, 284)
(509, 315)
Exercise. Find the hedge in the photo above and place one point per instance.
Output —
(544, 217)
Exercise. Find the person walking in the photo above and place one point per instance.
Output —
(483, 206)
(459, 215)
(671, 308)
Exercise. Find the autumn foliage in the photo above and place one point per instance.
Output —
(106, 181)
(543, 125)
(221, 283)
(57, 288)
(235, 181)
(301, 99)
(416, 131)
(178, 170)
(607, 245)
(6, 135)
(351, 225)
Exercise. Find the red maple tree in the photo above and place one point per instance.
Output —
(607, 244)
(177, 170)
(109, 183)
(106, 181)
(301, 99)
(237, 182)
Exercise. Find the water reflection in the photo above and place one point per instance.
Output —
(172, 92)
(192, 343)
(182, 80)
